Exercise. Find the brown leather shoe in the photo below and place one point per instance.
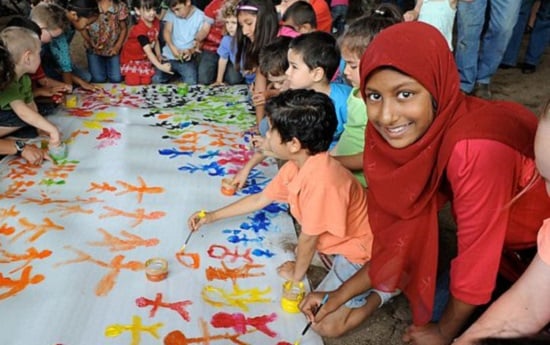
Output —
(482, 91)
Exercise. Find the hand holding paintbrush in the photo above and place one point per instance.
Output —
(194, 222)
(323, 301)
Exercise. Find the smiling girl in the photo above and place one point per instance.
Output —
(427, 143)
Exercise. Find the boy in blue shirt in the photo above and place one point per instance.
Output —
(185, 28)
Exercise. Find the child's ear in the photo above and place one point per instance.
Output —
(294, 145)
(318, 74)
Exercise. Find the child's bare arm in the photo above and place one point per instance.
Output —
(296, 271)
(33, 118)
(165, 67)
(260, 85)
(222, 65)
(168, 27)
(240, 178)
(351, 162)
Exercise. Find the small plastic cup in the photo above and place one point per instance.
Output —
(228, 188)
(182, 89)
(59, 152)
(293, 293)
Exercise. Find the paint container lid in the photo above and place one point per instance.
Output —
(156, 269)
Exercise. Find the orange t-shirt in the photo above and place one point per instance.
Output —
(543, 242)
(322, 15)
(328, 202)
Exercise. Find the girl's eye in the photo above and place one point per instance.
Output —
(352, 66)
(404, 94)
(373, 96)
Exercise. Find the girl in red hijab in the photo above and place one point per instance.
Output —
(427, 143)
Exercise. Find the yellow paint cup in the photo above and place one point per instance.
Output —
(293, 293)
(71, 101)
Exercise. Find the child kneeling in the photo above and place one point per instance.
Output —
(324, 197)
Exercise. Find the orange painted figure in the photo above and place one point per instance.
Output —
(8, 212)
(21, 169)
(225, 272)
(101, 187)
(44, 200)
(195, 259)
(38, 229)
(218, 251)
(140, 190)
(16, 189)
(107, 283)
(178, 307)
(139, 215)
(28, 257)
(116, 244)
(15, 286)
(69, 210)
(136, 328)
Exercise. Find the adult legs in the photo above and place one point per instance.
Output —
(470, 17)
(503, 15)
(510, 57)
(540, 36)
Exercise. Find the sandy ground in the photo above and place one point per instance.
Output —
(386, 326)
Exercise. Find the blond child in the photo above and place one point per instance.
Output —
(17, 106)
(227, 50)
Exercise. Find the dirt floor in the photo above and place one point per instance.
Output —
(388, 323)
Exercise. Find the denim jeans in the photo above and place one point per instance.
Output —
(208, 66)
(104, 68)
(339, 14)
(538, 40)
(186, 70)
(478, 56)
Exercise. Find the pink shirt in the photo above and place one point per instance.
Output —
(339, 3)
(484, 176)
(329, 202)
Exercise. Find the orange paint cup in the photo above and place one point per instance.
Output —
(228, 188)
(156, 269)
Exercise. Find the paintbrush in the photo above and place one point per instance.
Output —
(325, 299)
(201, 215)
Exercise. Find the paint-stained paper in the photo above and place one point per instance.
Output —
(75, 235)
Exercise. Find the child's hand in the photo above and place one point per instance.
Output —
(166, 68)
(197, 219)
(258, 98)
(410, 16)
(34, 155)
(240, 178)
(89, 87)
(55, 137)
(286, 270)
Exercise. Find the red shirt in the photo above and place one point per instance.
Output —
(322, 14)
(132, 49)
(212, 41)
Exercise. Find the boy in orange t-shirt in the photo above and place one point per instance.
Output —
(324, 197)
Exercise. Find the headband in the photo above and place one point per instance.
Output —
(247, 8)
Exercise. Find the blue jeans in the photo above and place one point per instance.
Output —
(104, 68)
(208, 68)
(538, 40)
(187, 71)
(478, 56)
(339, 14)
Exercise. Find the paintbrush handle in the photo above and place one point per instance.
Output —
(325, 299)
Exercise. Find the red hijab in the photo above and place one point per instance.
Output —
(405, 184)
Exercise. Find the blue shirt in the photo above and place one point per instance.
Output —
(60, 49)
(227, 50)
(339, 94)
(184, 30)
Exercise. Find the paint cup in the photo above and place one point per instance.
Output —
(228, 188)
(71, 101)
(156, 269)
(293, 293)
(58, 152)
(182, 89)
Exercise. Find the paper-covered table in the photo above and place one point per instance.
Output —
(75, 236)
